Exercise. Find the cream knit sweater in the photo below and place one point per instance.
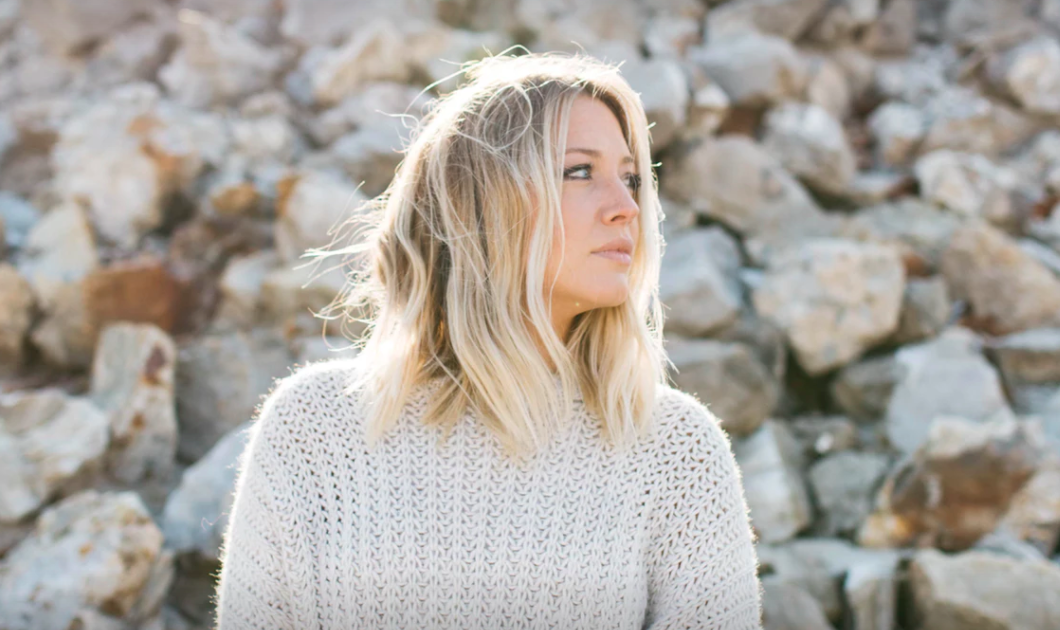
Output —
(325, 534)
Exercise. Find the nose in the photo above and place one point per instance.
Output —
(622, 206)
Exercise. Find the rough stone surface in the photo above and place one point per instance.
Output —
(729, 377)
(834, 299)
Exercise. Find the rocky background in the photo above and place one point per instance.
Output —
(862, 275)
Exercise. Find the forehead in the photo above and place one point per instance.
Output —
(593, 125)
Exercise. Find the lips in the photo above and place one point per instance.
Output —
(619, 250)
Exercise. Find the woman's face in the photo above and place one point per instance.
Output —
(599, 209)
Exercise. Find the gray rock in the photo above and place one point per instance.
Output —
(917, 229)
(947, 376)
(811, 144)
(698, 282)
(326, 22)
(196, 513)
(18, 217)
(770, 464)
(215, 390)
(871, 591)
(369, 157)
(818, 566)
(844, 485)
(823, 435)
(1049, 258)
(1031, 356)
(994, 591)
(1007, 289)
(926, 309)
(753, 69)
(132, 382)
(833, 298)
(787, 607)
(91, 552)
(784, 18)
(729, 378)
(734, 180)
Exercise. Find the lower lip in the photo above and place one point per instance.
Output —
(616, 256)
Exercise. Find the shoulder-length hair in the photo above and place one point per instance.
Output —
(453, 257)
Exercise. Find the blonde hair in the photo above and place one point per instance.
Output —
(455, 252)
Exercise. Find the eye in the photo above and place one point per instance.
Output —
(634, 182)
(567, 172)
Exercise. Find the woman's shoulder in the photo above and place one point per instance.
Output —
(309, 392)
(683, 422)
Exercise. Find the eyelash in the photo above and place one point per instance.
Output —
(634, 178)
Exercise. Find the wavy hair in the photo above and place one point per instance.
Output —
(449, 265)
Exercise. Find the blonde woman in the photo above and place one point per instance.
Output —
(503, 452)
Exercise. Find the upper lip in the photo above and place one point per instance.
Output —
(623, 245)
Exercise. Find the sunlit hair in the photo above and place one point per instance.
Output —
(450, 278)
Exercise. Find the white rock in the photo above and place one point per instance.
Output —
(38, 467)
(373, 52)
(313, 204)
(966, 183)
(125, 154)
(216, 64)
(67, 25)
(833, 298)
(132, 382)
(897, 129)
(1030, 73)
(91, 551)
(240, 286)
(59, 253)
(947, 376)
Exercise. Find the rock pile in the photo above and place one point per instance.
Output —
(862, 275)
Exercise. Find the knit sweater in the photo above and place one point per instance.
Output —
(326, 533)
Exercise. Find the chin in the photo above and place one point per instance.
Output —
(605, 297)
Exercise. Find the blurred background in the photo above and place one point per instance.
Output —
(862, 276)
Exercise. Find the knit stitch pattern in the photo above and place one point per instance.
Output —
(325, 533)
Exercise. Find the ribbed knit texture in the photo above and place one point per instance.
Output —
(327, 534)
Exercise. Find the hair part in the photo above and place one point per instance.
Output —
(450, 263)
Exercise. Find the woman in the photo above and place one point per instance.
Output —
(503, 452)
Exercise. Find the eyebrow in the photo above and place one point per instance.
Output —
(593, 152)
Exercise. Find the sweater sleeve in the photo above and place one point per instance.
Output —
(252, 592)
(702, 562)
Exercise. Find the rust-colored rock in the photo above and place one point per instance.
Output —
(140, 290)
